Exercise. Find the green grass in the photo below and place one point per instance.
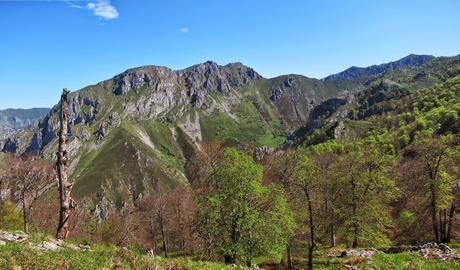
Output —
(249, 127)
(19, 256)
(409, 261)
(122, 164)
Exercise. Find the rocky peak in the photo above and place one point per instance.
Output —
(132, 79)
(210, 76)
(278, 91)
(205, 77)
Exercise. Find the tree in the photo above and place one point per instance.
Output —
(325, 156)
(300, 176)
(66, 203)
(432, 155)
(367, 191)
(238, 216)
(28, 179)
(154, 206)
(182, 214)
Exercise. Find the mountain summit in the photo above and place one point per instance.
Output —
(140, 128)
(412, 60)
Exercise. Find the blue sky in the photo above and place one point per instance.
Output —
(47, 45)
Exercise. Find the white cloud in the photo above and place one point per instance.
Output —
(77, 6)
(184, 30)
(103, 9)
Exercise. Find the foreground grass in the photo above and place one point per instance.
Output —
(19, 256)
(409, 261)
(380, 261)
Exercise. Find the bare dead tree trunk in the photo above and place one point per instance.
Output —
(66, 203)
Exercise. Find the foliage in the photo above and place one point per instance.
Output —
(10, 217)
(237, 215)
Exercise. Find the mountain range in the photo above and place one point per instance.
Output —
(141, 128)
(11, 120)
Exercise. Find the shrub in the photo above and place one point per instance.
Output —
(10, 217)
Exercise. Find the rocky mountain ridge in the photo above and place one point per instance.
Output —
(412, 60)
(11, 120)
(140, 128)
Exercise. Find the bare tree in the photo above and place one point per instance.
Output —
(66, 202)
(181, 216)
(27, 180)
(154, 207)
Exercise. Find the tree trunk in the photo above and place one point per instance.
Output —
(441, 225)
(182, 232)
(25, 217)
(66, 204)
(289, 258)
(311, 246)
(434, 209)
(152, 231)
(451, 221)
(354, 209)
(333, 239)
(163, 236)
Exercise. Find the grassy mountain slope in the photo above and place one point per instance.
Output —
(398, 105)
(137, 130)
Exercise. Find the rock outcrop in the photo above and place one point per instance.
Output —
(49, 244)
(435, 251)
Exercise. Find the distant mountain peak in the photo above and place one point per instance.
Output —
(12, 120)
(354, 72)
(205, 76)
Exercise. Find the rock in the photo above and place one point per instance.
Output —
(15, 237)
(48, 245)
(435, 251)
(278, 92)
(100, 132)
(83, 135)
(55, 245)
(11, 145)
(191, 126)
(365, 253)
(351, 267)
(261, 152)
(211, 76)
(101, 210)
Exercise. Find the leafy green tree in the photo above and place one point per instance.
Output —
(237, 215)
(305, 179)
(311, 189)
(432, 156)
(325, 156)
(367, 191)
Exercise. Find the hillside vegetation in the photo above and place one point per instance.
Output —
(358, 170)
